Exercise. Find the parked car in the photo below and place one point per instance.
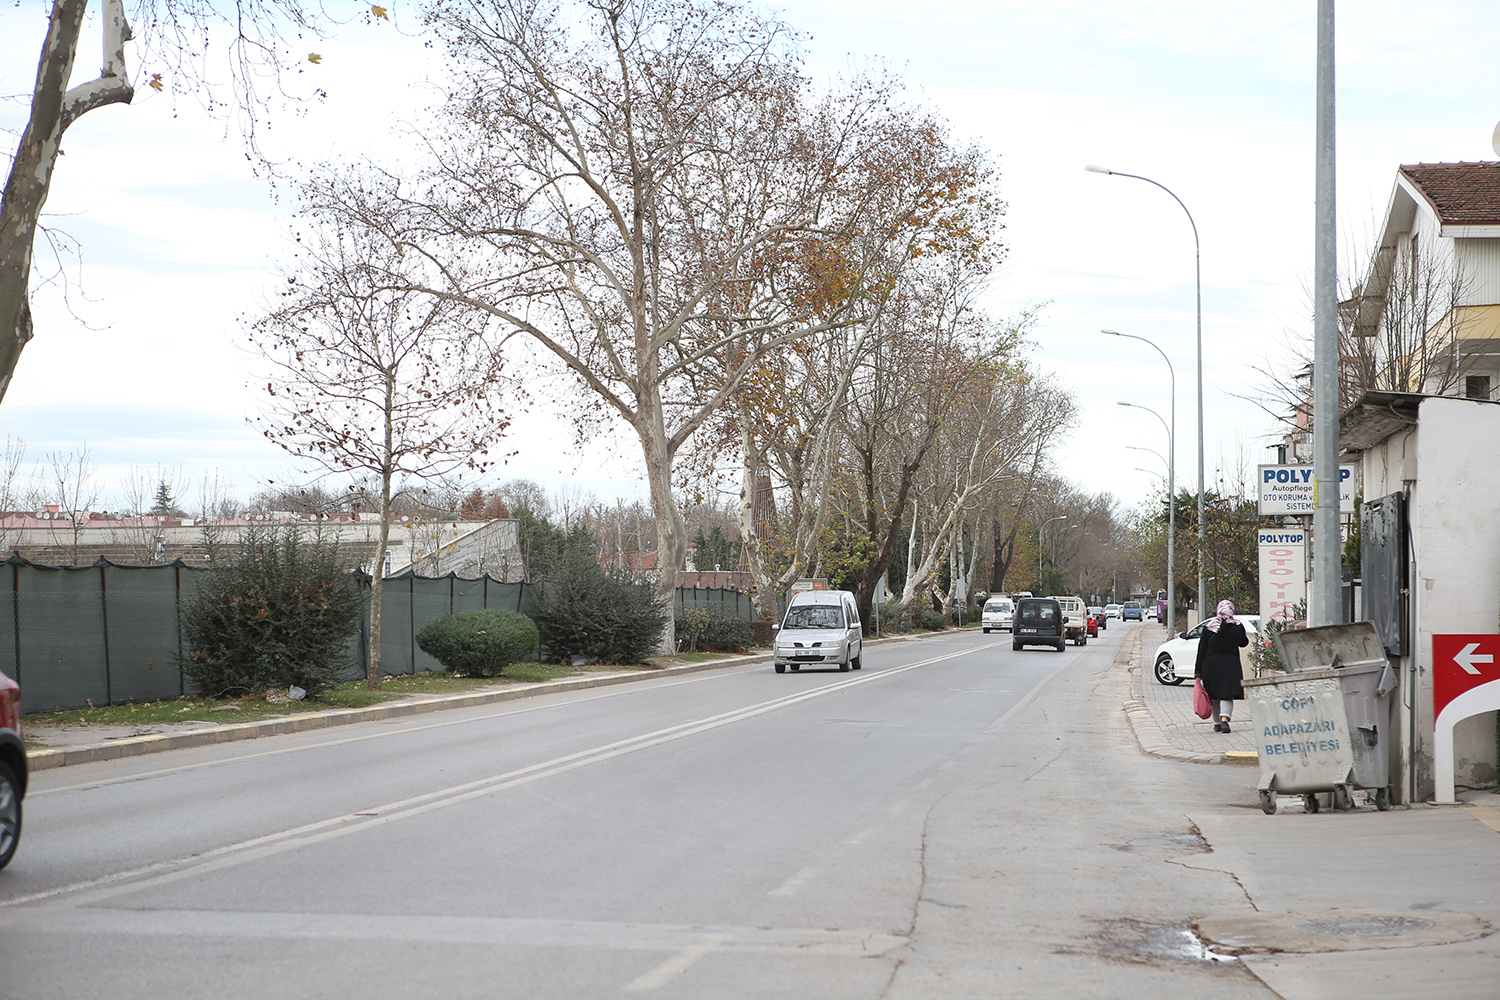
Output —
(999, 614)
(1100, 617)
(821, 629)
(1039, 622)
(1091, 626)
(1176, 658)
(1130, 611)
(1111, 611)
(13, 771)
(1151, 612)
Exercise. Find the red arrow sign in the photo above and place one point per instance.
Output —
(1461, 663)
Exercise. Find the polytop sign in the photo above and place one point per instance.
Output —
(1289, 489)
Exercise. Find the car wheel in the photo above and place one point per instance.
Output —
(1166, 672)
(795, 668)
(1060, 645)
(10, 813)
(858, 663)
(781, 668)
(1016, 646)
(844, 667)
(986, 631)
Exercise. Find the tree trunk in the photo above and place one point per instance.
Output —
(53, 108)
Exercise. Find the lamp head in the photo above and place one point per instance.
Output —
(1091, 168)
(1112, 333)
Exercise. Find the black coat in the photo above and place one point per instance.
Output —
(1219, 662)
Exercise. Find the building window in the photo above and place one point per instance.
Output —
(1477, 386)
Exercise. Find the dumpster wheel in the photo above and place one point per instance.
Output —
(1343, 797)
(1383, 799)
(1310, 802)
(1268, 801)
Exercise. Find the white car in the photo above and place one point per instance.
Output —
(999, 613)
(1112, 610)
(1178, 656)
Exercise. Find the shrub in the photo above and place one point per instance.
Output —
(714, 629)
(583, 611)
(762, 633)
(479, 643)
(932, 621)
(279, 610)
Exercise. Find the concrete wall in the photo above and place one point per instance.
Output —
(1456, 531)
(1451, 464)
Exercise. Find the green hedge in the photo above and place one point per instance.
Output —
(581, 611)
(479, 643)
(711, 628)
(279, 610)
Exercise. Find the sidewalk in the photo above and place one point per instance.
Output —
(1163, 719)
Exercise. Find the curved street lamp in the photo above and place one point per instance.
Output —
(1198, 284)
(1171, 512)
(1171, 489)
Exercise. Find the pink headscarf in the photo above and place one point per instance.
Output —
(1225, 613)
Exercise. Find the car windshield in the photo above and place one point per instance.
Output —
(815, 616)
(1038, 613)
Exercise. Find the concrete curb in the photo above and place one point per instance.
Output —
(44, 759)
(48, 758)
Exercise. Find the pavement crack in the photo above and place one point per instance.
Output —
(1044, 767)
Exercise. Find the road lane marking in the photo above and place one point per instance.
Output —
(791, 885)
(279, 751)
(503, 932)
(1011, 712)
(269, 845)
(675, 966)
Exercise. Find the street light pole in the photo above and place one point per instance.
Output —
(1039, 531)
(1198, 284)
(1171, 518)
(1171, 486)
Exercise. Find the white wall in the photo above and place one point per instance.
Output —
(1455, 517)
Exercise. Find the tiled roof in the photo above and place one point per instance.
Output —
(1462, 194)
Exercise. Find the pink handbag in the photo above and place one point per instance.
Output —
(1202, 707)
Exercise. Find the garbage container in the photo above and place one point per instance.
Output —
(1324, 725)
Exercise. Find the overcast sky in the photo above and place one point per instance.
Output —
(1214, 100)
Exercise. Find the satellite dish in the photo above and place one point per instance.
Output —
(1495, 139)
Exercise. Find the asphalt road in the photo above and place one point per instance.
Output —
(957, 819)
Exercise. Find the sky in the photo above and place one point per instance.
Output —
(140, 354)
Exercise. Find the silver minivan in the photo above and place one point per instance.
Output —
(821, 628)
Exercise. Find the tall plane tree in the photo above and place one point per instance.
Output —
(259, 38)
(648, 189)
(374, 379)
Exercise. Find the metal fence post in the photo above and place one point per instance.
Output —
(109, 697)
(177, 615)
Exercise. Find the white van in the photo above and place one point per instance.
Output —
(999, 614)
(820, 628)
(1075, 619)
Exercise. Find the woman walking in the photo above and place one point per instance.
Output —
(1219, 663)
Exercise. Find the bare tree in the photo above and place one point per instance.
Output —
(260, 38)
(69, 484)
(386, 382)
(11, 493)
(651, 192)
(1403, 327)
